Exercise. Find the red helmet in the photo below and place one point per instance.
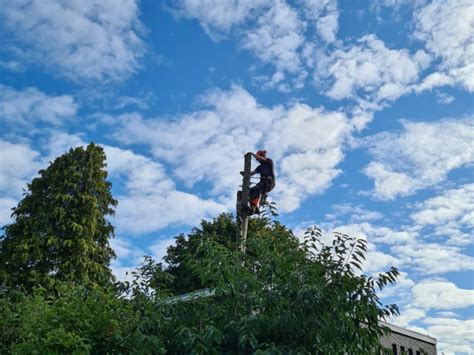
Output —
(262, 153)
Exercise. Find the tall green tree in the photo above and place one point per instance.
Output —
(60, 229)
(282, 296)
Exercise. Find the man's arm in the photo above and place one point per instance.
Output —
(251, 173)
(259, 158)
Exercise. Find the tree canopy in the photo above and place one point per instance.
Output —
(282, 294)
(60, 229)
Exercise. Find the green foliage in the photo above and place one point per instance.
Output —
(61, 231)
(180, 256)
(78, 320)
(282, 297)
(285, 295)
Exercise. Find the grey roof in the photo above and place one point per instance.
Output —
(410, 333)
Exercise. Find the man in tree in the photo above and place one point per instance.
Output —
(266, 183)
(61, 229)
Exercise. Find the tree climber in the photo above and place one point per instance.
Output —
(266, 183)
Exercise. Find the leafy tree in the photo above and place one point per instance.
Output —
(60, 230)
(281, 296)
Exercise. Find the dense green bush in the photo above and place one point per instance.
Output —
(76, 320)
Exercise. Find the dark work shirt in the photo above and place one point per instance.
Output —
(265, 169)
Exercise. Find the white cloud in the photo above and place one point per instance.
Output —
(450, 213)
(396, 4)
(439, 294)
(139, 214)
(129, 258)
(20, 108)
(375, 234)
(6, 205)
(160, 247)
(420, 156)
(354, 213)
(122, 273)
(310, 144)
(12, 65)
(432, 81)
(377, 261)
(432, 258)
(218, 17)
(151, 201)
(208, 145)
(401, 290)
(371, 68)
(18, 164)
(408, 315)
(276, 32)
(277, 38)
(447, 314)
(325, 15)
(82, 40)
(453, 335)
(447, 28)
(60, 142)
(410, 248)
(443, 98)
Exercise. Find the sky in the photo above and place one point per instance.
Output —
(366, 107)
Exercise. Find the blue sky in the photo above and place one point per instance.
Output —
(365, 106)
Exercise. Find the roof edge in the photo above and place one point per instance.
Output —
(411, 333)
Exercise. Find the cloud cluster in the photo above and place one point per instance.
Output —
(451, 214)
(447, 29)
(439, 294)
(276, 32)
(128, 258)
(80, 40)
(420, 156)
(325, 15)
(6, 205)
(454, 335)
(419, 245)
(433, 258)
(219, 17)
(370, 68)
(151, 200)
(299, 40)
(409, 249)
(276, 38)
(207, 145)
(18, 164)
(21, 108)
(355, 213)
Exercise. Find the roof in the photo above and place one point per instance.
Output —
(410, 333)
